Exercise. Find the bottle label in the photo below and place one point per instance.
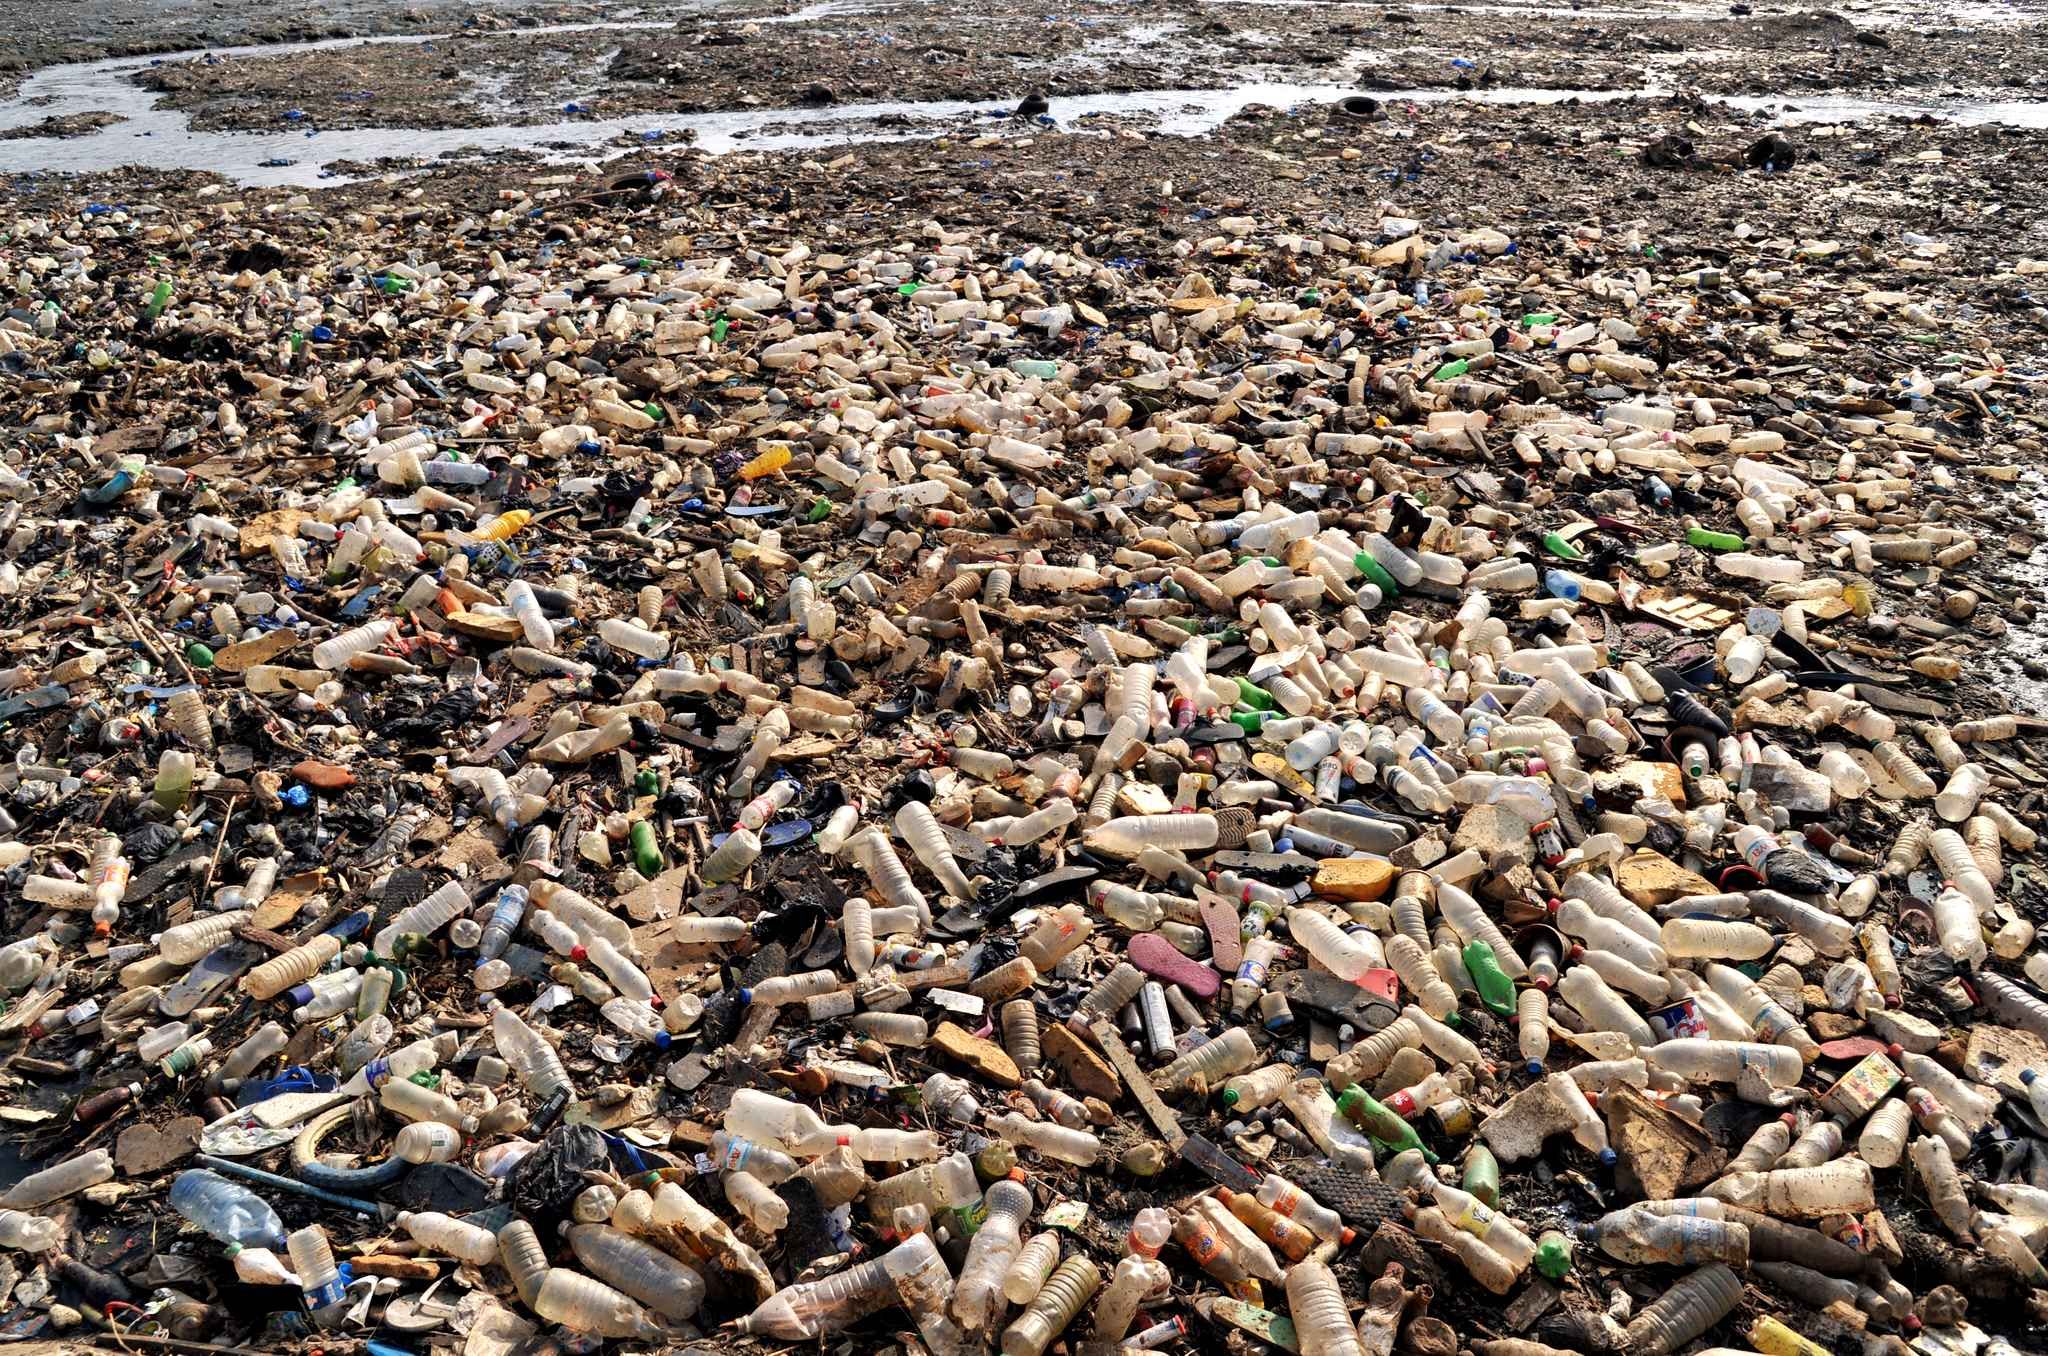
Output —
(737, 1152)
(1475, 1219)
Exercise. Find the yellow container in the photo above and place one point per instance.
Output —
(768, 463)
(1773, 1338)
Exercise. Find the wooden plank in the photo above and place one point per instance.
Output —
(1125, 1063)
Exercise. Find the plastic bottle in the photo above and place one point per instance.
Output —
(1021, 1033)
(526, 1261)
(1726, 1061)
(1331, 947)
(225, 1209)
(336, 653)
(1078, 1147)
(29, 1233)
(450, 1237)
(1322, 1321)
(585, 1305)
(670, 1289)
(1684, 1311)
(72, 1175)
(1066, 1292)
(1641, 1237)
(977, 1297)
(1493, 1271)
(810, 1309)
(1801, 1193)
(529, 1054)
(425, 918)
(1232, 1052)
(730, 859)
(1883, 1140)
(313, 1260)
(927, 840)
(273, 977)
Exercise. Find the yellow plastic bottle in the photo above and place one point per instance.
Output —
(506, 525)
(1773, 1338)
(769, 462)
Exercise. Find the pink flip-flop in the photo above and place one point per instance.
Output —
(1160, 959)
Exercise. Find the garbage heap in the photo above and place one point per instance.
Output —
(576, 771)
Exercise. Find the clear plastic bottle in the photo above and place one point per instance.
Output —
(730, 859)
(1132, 834)
(1883, 1141)
(1490, 1226)
(426, 917)
(1078, 1147)
(927, 840)
(529, 1054)
(225, 1209)
(811, 1309)
(1322, 1321)
(1064, 1295)
(1033, 1265)
(1943, 1186)
(638, 1270)
(1021, 1033)
(977, 1297)
(1232, 1052)
(1973, 1109)
(1959, 868)
(584, 1304)
(1643, 1237)
(29, 1233)
(1701, 1059)
(792, 988)
(301, 963)
(313, 1259)
(1715, 939)
(950, 1097)
(1602, 1008)
(450, 1237)
(753, 1198)
(1420, 976)
(336, 653)
(74, 1174)
(1057, 935)
(1328, 943)
(1684, 1311)
(1493, 1271)
(1801, 1193)
(526, 1261)
(629, 636)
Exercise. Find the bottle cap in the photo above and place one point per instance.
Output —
(1895, 1050)
(578, 952)
(1231, 1096)
(1608, 1158)
(2027, 1077)
(1534, 1068)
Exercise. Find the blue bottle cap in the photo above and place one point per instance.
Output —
(1608, 1157)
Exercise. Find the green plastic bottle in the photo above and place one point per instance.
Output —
(646, 852)
(1482, 1175)
(1456, 367)
(1556, 544)
(1386, 1127)
(1712, 541)
(159, 299)
(198, 656)
(1496, 990)
(1554, 1255)
(1376, 573)
(1251, 694)
(1251, 722)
